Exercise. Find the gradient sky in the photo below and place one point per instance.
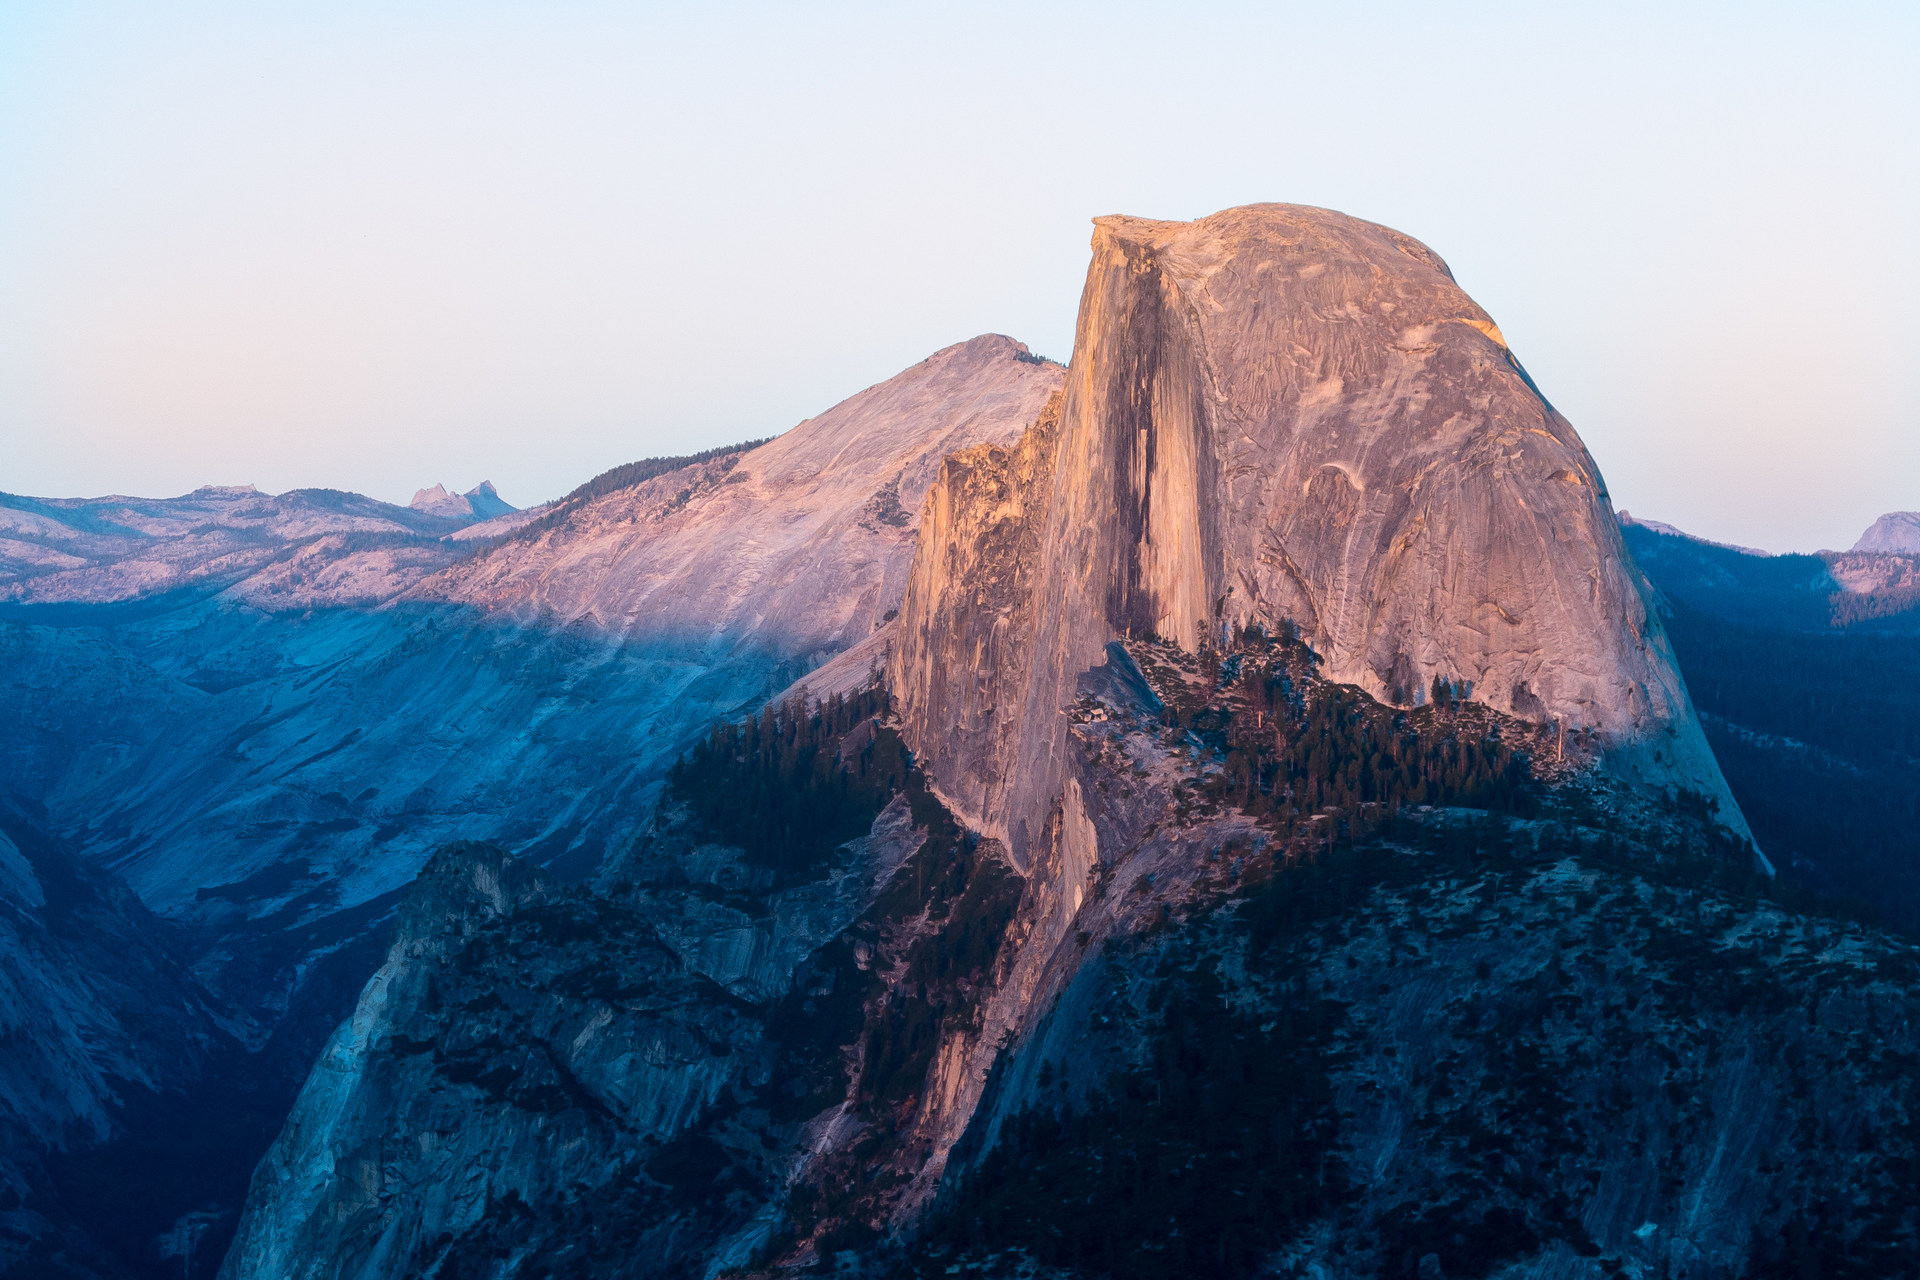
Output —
(378, 246)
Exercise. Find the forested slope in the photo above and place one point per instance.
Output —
(1809, 696)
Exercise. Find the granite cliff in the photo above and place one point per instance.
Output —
(1275, 413)
(1897, 531)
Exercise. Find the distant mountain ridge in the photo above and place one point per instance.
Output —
(1661, 526)
(297, 549)
(771, 560)
(1818, 591)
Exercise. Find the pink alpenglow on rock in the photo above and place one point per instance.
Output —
(1280, 413)
(803, 543)
(1897, 531)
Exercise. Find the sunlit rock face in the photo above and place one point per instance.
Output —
(803, 543)
(1897, 531)
(1281, 412)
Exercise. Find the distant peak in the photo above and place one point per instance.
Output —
(1896, 531)
(989, 346)
(482, 502)
(486, 501)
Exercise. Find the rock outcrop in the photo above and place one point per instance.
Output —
(1281, 412)
(1897, 531)
(527, 1045)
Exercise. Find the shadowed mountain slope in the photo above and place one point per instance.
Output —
(128, 1104)
(268, 762)
(238, 765)
(1802, 668)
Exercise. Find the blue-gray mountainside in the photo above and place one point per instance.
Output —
(262, 715)
(1230, 806)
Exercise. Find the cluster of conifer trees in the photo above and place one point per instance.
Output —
(1196, 1163)
(630, 475)
(1296, 745)
(1818, 733)
(793, 783)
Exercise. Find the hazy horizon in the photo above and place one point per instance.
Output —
(353, 249)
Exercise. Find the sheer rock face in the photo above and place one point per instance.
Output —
(1281, 412)
(966, 628)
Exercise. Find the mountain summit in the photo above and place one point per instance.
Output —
(1281, 413)
(1897, 531)
(482, 502)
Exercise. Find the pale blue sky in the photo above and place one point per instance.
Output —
(352, 246)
